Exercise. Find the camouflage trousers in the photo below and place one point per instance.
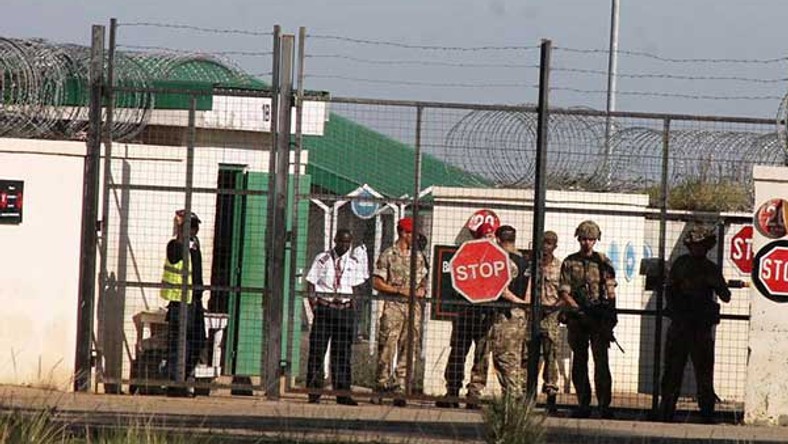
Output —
(507, 335)
(471, 326)
(549, 343)
(696, 342)
(393, 340)
(582, 333)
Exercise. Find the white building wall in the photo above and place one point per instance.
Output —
(40, 261)
(452, 208)
(767, 386)
(39, 264)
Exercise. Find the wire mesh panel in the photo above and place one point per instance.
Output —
(477, 164)
(186, 164)
(388, 205)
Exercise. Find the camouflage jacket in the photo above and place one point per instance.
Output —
(583, 277)
(393, 266)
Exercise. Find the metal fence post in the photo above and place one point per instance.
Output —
(539, 210)
(277, 211)
(269, 221)
(187, 272)
(409, 370)
(90, 185)
(661, 288)
(294, 220)
(116, 356)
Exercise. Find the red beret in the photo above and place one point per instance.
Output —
(484, 229)
(405, 224)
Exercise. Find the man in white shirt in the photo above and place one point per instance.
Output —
(330, 283)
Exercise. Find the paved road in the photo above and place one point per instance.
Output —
(254, 417)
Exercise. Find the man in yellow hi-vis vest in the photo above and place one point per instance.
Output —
(172, 278)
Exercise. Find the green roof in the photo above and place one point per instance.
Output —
(349, 155)
(200, 74)
(346, 157)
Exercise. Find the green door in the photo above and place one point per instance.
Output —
(245, 328)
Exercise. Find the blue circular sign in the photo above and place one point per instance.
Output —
(365, 209)
(630, 261)
(612, 254)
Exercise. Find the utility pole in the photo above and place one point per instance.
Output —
(612, 69)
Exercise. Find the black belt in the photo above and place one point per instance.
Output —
(334, 303)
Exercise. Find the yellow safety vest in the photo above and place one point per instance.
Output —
(172, 278)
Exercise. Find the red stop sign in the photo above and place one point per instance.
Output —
(480, 271)
(741, 249)
(773, 271)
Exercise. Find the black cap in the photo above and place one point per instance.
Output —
(194, 218)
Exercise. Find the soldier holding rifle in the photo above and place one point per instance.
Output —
(588, 283)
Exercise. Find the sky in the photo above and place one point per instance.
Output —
(726, 54)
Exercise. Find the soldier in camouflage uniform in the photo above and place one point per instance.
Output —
(549, 335)
(392, 279)
(507, 332)
(587, 282)
(693, 311)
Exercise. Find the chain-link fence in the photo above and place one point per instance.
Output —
(476, 161)
(325, 252)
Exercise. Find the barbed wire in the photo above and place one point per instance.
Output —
(661, 94)
(419, 83)
(419, 62)
(196, 28)
(662, 76)
(187, 51)
(530, 85)
(491, 144)
(422, 47)
(47, 94)
(672, 59)
(674, 76)
(634, 53)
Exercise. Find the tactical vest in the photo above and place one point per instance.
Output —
(519, 283)
(172, 278)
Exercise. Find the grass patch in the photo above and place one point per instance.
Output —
(512, 420)
(695, 195)
(21, 426)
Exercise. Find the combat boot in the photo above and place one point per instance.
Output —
(581, 412)
(606, 413)
(448, 403)
(667, 409)
(473, 402)
(550, 404)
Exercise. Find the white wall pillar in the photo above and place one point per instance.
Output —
(766, 398)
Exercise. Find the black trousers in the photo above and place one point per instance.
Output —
(582, 333)
(195, 336)
(335, 325)
(694, 341)
(471, 326)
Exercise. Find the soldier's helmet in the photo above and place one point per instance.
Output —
(700, 234)
(588, 229)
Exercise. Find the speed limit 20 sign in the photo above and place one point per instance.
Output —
(770, 271)
(483, 217)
